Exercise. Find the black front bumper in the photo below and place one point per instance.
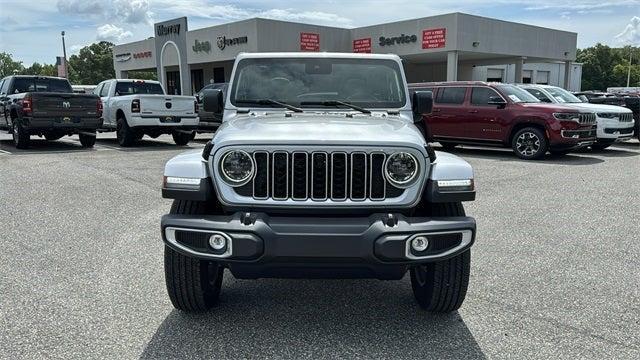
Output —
(377, 246)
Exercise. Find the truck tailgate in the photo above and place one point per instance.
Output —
(51, 104)
(167, 105)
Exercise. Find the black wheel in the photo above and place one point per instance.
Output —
(193, 285)
(601, 145)
(126, 136)
(530, 143)
(20, 135)
(87, 140)
(448, 145)
(442, 286)
(181, 138)
(52, 136)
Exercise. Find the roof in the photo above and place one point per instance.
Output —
(338, 55)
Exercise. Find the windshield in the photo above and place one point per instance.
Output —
(138, 87)
(562, 95)
(516, 94)
(305, 82)
(29, 84)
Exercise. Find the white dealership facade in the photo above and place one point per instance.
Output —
(438, 48)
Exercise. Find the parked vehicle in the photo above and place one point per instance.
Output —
(614, 123)
(209, 122)
(599, 97)
(496, 114)
(134, 108)
(633, 104)
(318, 172)
(46, 106)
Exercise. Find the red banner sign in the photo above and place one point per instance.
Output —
(434, 38)
(309, 42)
(362, 45)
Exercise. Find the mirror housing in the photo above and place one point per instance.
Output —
(497, 100)
(212, 100)
(422, 103)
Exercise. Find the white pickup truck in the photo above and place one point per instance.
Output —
(134, 108)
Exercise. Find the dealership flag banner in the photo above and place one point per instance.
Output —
(434, 38)
(309, 42)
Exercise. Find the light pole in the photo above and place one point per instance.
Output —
(629, 72)
(64, 57)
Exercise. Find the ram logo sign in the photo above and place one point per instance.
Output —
(66, 104)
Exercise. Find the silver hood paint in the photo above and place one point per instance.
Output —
(314, 128)
(601, 108)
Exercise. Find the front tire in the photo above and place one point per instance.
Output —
(182, 139)
(193, 285)
(87, 141)
(126, 136)
(21, 137)
(442, 286)
(530, 143)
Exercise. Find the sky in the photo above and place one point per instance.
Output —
(31, 29)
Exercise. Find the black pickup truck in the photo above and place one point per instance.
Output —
(47, 106)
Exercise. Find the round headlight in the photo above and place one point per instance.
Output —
(236, 167)
(401, 169)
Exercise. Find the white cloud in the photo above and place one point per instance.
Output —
(113, 33)
(121, 11)
(631, 33)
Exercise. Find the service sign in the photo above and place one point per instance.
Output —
(309, 42)
(362, 45)
(434, 38)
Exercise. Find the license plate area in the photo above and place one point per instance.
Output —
(169, 119)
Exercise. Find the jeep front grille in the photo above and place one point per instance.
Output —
(319, 175)
(587, 118)
(626, 117)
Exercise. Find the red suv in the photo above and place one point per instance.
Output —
(497, 114)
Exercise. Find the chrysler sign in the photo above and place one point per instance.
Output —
(223, 41)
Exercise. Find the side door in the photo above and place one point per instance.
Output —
(107, 108)
(449, 115)
(486, 122)
(3, 106)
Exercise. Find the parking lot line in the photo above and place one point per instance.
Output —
(4, 152)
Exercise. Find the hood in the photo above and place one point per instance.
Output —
(319, 128)
(601, 108)
(555, 107)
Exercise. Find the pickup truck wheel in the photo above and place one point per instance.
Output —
(530, 143)
(87, 141)
(181, 138)
(126, 136)
(20, 136)
(193, 285)
(442, 286)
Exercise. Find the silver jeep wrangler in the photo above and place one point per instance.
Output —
(319, 170)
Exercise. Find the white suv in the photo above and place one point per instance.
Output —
(615, 123)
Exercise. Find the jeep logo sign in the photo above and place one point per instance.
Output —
(201, 46)
(223, 42)
(397, 40)
(163, 30)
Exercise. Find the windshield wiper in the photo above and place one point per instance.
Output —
(270, 102)
(336, 103)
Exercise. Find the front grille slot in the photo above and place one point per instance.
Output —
(626, 117)
(280, 175)
(319, 176)
(587, 119)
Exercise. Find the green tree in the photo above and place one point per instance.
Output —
(8, 66)
(93, 64)
(142, 75)
(597, 69)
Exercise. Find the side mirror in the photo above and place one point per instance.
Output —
(212, 100)
(497, 100)
(422, 102)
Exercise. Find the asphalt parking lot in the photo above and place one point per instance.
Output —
(555, 268)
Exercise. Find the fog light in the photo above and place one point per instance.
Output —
(420, 243)
(217, 242)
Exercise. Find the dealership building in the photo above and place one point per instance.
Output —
(438, 48)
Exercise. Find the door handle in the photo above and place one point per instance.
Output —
(473, 111)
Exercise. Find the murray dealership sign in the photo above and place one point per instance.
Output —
(163, 30)
(223, 41)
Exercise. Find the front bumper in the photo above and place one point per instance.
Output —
(377, 246)
(616, 133)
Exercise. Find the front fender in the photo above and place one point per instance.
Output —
(186, 178)
(447, 180)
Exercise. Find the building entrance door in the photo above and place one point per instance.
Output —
(173, 83)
